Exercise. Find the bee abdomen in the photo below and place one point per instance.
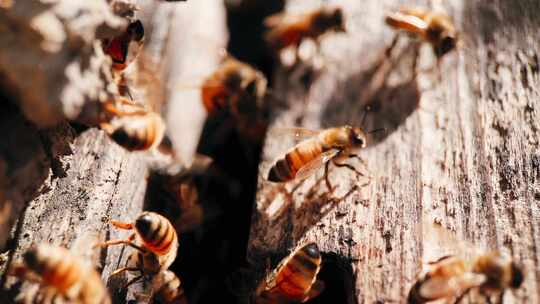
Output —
(156, 231)
(281, 171)
(299, 274)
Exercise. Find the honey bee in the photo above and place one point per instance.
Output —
(154, 239)
(432, 27)
(167, 289)
(452, 276)
(310, 154)
(286, 30)
(238, 89)
(125, 48)
(133, 127)
(61, 273)
(295, 278)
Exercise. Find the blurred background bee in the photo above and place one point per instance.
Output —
(435, 28)
(295, 278)
(317, 149)
(60, 273)
(167, 289)
(135, 127)
(155, 241)
(288, 30)
(453, 276)
(238, 90)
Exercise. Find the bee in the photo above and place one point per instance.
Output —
(62, 273)
(295, 278)
(240, 91)
(154, 239)
(321, 147)
(167, 289)
(125, 48)
(286, 30)
(452, 276)
(432, 27)
(134, 127)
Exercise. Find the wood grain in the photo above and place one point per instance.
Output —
(461, 152)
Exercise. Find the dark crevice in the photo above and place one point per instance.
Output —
(338, 277)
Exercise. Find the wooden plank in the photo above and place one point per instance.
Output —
(462, 152)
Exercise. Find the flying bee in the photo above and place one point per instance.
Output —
(125, 48)
(432, 27)
(295, 278)
(286, 30)
(452, 276)
(240, 90)
(134, 127)
(167, 289)
(154, 239)
(61, 273)
(318, 149)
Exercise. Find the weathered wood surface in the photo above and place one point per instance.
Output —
(462, 152)
(63, 186)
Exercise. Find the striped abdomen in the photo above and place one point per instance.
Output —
(285, 169)
(66, 273)
(167, 289)
(157, 234)
(294, 277)
(142, 132)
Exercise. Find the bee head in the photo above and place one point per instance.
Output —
(445, 45)
(338, 20)
(358, 137)
(143, 224)
(330, 19)
(34, 258)
(517, 275)
(135, 30)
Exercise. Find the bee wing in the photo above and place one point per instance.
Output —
(314, 165)
(280, 18)
(406, 22)
(440, 287)
(297, 133)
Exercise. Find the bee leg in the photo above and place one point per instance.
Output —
(128, 242)
(326, 179)
(390, 48)
(120, 270)
(122, 225)
(134, 280)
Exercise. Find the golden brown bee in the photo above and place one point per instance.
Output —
(154, 239)
(295, 278)
(452, 276)
(432, 27)
(310, 154)
(134, 127)
(62, 273)
(167, 289)
(238, 89)
(286, 30)
(124, 48)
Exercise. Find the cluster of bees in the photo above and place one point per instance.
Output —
(241, 90)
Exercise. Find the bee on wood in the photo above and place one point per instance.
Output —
(317, 150)
(167, 289)
(154, 239)
(432, 27)
(125, 48)
(134, 127)
(62, 273)
(453, 276)
(295, 278)
(287, 30)
(239, 90)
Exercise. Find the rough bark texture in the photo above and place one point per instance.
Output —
(64, 184)
(461, 153)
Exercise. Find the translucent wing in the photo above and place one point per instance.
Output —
(281, 18)
(315, 164)
(297, 133)
(440, 287)
(406, 22)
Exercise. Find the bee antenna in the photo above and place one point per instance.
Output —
(377, 130)
(366, 109)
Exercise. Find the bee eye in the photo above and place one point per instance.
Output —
(447, 44)
(517, 276)
(136, 29)
(31, 258)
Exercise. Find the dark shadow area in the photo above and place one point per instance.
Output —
(338, 277)
(369, 101)
(246, 31)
